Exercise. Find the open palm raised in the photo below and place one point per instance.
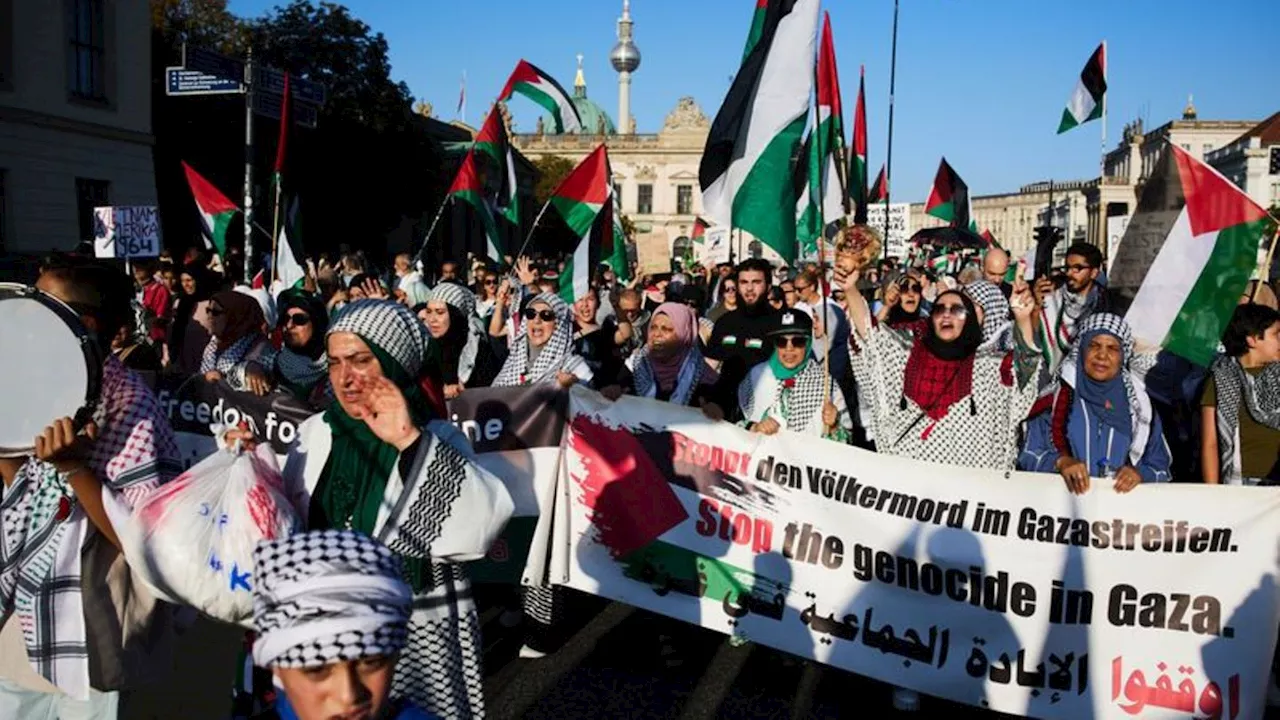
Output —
(386, 412)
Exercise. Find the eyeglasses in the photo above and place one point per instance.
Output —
(730, 289)
(802, 288)
(910, 287)
(796, 341)
(543, 315)
(216, 311)
(299, 320)
(1079, 268)
(490, 281)
(956, 311)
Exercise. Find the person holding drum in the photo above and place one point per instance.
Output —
(377, 462)
(77, 425)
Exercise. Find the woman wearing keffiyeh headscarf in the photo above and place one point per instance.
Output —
(1097, 420)
(542, 351)
(331, 611)
(787, 391)
(301, 367)
(376, 462)
(238, 342)
(995, 313)
(459, 351)
(670, 367)
(932, 394)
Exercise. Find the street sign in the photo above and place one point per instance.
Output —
(212, 63)
(271, 80)
(268, 104)
(181, 81)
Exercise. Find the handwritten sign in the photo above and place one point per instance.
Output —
(899, 226)
(653, 253)
(130, 231)
(715, 247)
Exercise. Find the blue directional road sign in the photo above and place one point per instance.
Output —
(271, 80)
(212, 63)
(181, 81)
(268, 104)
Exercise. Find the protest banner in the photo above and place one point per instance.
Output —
(123, 232)
(999, 590)
(514, 433)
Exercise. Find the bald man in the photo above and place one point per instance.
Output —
(994, 266)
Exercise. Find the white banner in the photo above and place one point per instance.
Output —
(131, 231)
(895, 241)
(1000, 590)
(715, 246)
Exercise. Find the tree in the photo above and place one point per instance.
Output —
(552, 169)
(327, 45)
(202, 23)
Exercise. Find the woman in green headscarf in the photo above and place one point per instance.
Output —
(376, 462)
(789, 390)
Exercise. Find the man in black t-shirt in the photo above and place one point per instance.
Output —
(738, 339)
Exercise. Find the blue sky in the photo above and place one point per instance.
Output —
(982, 82)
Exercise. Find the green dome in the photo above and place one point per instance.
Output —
(590, 112)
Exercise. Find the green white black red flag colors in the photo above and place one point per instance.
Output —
(746, 172)
(541, 88)
(862, 195)
(1088, 99)
(584, 200)
(496, 164)
(757, 28)
(468, 189)
(290, 259)
(699, 234)
(215, 210)
(949, 198)
(825, 153)
(1187, 256)
(879, 189)
(617, 257)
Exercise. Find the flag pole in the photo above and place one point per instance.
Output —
(431, 230)
(888, 157)
(1102, 162)
(822, 226)
(532, 227)
(1266, 266)
(275, 237)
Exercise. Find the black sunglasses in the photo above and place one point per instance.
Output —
(299, 320)
(911, 286)
(544, 315)
(795, 341)
(215, 311)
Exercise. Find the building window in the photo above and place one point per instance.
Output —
(89, 195)
(1186, 146)
(1206, 149)
(684, 200)
(87, 49)
(644, 200)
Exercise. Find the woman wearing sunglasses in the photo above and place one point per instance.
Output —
(903, 302)
(239, 342)
(788, 391)
(301, 367)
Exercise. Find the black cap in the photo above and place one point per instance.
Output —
(792, 322)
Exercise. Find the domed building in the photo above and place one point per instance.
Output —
(654, 174)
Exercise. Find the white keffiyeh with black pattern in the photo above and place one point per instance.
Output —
(551, 358)
(464, 301)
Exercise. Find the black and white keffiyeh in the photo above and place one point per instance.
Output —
(389, 325)
(463, 300)
(299, 369)
(797, 400)
(327, 596)
(692, 369)
(995, 310)
(1259, 395)
(553, 355)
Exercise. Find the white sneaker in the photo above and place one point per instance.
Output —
(510, 618)
(529, 653)
(905, 700)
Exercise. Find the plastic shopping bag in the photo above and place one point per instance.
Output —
(192, 539)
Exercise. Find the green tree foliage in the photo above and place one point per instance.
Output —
(552, 169)
(204, 23)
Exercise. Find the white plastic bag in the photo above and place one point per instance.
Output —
(192, 539)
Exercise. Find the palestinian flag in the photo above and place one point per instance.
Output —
(1187, 256)
(746, 174)
(291, 262)
(880, 189)
(699, 234)
(215, 210)
(1089, 98)
(497, 166)
(468, 189)
(825, 152)
(862, 196)
(584, 200)
(949, 198)
(757, 28)
(617, 259)
(541, 88)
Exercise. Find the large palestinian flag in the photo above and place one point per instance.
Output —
(1088, 99)
(290, 259)
(496, 164)
(746, 173)
(825, 153)
(949, 198)
(216, 211)
(617, 258)
(1187, 256)
(584, 200)
(468, 189)
(757, 28)
(541, 88)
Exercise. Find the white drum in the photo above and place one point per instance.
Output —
(50, 367)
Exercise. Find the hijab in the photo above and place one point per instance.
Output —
(685, 322)
(939, 373)
(359, 465)
(455, 353)
(244, 317)
(294, 298)
(187, 303)
(527, 365)
(1107, 401)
